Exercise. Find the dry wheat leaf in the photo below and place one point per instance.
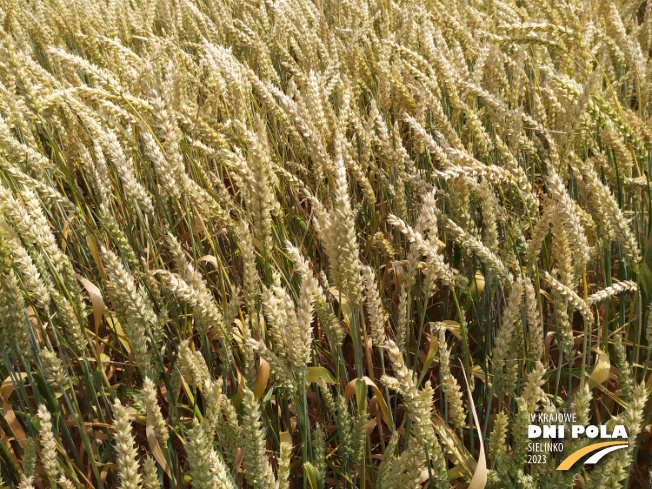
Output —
(96, 300)
(6, 390)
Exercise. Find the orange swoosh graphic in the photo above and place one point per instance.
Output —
(575, 456)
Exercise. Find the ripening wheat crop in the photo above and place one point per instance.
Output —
(283, 244)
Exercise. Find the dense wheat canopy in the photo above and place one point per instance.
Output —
(280, 244)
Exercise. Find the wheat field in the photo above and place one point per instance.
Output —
(279, 244)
